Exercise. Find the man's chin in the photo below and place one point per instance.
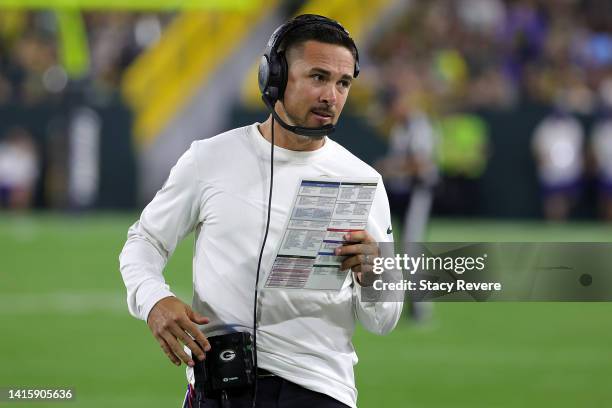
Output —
(316, 123)
(312, 123)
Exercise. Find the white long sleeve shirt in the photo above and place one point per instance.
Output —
(219, 188)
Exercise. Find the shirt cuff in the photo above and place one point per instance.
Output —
(153, 293)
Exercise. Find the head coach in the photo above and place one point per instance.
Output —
(235, 190)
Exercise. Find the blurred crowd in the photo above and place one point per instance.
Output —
(449, 54)
(54, 66)
(427, 79)
(33, 64)
(445, 61)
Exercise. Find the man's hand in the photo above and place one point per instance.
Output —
(360, 249)
(173, 322)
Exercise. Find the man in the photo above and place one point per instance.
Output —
(411, 173)
(19, 169)
(601, 150)
(219, 188)
(557, 145)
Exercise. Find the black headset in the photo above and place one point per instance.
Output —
(272, 76)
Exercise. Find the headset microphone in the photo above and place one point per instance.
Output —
(300, 130)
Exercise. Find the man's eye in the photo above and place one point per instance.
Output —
(345, 84)
(318, 77)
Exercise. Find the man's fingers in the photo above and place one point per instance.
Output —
(351, 262)
(199, 319)
(369, 249)
(169, 320)
(188, 340)
(362, 268)
(358, 236)
(199, 337)
(196, 317)
(168, 352)
(176, 347)
(362, 261)
(194, 330)
(350, 249)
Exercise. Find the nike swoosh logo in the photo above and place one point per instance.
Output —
(389, 230)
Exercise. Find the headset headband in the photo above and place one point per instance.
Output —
(281, 32)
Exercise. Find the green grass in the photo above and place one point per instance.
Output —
(65, 323)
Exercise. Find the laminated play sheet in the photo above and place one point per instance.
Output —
(324, 210)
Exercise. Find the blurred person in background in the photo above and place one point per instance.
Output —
(601, 151)
(464, 153)
(219, 188)
(410, 166)
(557, 145)
(19, 169)
(411, 173)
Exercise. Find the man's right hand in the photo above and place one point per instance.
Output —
(172, 322)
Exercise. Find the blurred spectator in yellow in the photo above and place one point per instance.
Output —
(463, 157)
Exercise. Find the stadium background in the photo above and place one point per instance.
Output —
(112, 93)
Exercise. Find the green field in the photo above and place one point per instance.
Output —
(65, 324)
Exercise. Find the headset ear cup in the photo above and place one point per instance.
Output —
(263, 76)
(283, 73)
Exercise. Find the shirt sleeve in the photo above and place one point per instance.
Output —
(378, 317)
(166, 220)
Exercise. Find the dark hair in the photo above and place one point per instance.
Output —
(317, 31)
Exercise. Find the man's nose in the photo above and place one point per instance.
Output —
(329, 94)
